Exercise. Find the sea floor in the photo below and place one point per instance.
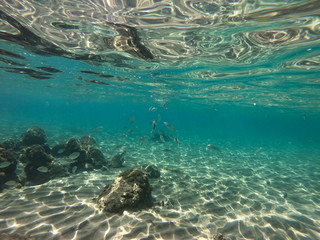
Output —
(244, 192)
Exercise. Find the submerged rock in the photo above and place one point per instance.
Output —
(152, 170)
(87, 141)
(38, 156)
(130, 191)
(41, 166)
(34, 135)
(58, 150)
(12, 144)
(73, 145)
(118, 160)
(8, 165)
(96, 157)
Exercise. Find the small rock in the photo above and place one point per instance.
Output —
(58, 150)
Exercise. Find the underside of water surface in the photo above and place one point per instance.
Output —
(221, 97)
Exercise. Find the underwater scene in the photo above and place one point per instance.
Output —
(159, 119)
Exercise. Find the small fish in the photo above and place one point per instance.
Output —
(130, 131)
(214, 148)
(169, 126)
(74, 155)
(159, 117)
(285, 195)
(152, 109)
(11, 183)
(117, 147)
(177, 141)
(142, 139)
(42, 169)
(61, 150)
(164, 106)
(96, 129)
(168, 150)
(258, 151)
(154, 125)
(161, 137)
(5, 164)
(74, 169)
(132, 119)
(65, 161)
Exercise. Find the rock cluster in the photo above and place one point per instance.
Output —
(38, 163)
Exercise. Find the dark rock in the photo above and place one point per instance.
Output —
(12, 144)
(88, 167)
(96, 157)
(39, 175)
(34, 176)
(87, 141)
(73, 145)
(118, 160)
(8, 165)
(34, 135)
(130, 191)
(152, 170)
(56, 170)
(59, 150)
(37, 156)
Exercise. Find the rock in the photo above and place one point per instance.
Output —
(56, 170)
(87, 141)
(38, 172)
(59, 150)
(73, 145)
(34, 176)
(37, 156)
(152, 170)
(8, 165)
(34, 135)
(12, 144)
(118, 160)
(130, 191)
(96, 157)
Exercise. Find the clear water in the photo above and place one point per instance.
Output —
(240, 75)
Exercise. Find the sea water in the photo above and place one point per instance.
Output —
(238, 81)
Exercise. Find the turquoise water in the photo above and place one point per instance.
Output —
(242, 76)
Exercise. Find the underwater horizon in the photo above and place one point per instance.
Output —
(213, 106)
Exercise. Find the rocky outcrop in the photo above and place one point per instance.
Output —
(34, 135)
(130, 191)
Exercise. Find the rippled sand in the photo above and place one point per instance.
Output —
(273, 194)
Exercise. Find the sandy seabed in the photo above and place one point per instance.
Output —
(242, 193)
